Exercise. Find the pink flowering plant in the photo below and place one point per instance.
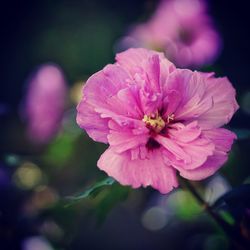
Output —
(183, 29)
(159, 125)
(45, 103)
(157, 119)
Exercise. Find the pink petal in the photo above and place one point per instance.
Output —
(88, 119)
(150, 101)
(185, 148)
(173, 148)
(122, 138)
(103, 99)
(223, 140)
(184, 133)
(132, 59)
(199, 150)
(205, 98)
(224, 103)
(126, 103)
(104, 84)
(148, 172)
(150, 70)
(150, 92)
(212, 164)
(123, 141)
(191, 86)
(171, 102)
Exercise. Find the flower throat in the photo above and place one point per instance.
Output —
(156, 124)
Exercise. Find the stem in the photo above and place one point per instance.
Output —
(228, 229)
(206, 206)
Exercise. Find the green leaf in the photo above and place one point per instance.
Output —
(184, 205)
(106, 194)
(242, 134)
(92, 190)
(60, 150)
(227, 217)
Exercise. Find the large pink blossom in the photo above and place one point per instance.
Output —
(45, 102)
(157, 119)
(183, 29)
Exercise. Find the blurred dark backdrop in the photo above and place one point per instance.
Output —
(80, 36)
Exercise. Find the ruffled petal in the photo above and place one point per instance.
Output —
(150, 92)
(224, 103)
(149, 71)
(171, 101)
(104, 99)
(185, 147)
(184, 133)
(212, 164)
(223, 140)
(104, 84)
(148, 172)
(88, 119)
(134, 59)
(122, 138)
(190, 87)
(202, 97)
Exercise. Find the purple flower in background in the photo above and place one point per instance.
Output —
(157, 120)
(183, 29)
(45, 103)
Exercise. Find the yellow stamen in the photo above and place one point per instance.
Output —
(154, 122)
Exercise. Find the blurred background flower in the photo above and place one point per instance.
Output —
(181, 28)
(45, 103)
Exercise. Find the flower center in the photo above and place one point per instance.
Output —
(154, 122)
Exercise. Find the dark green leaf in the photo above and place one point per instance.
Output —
(227, 217)
(60, 150)
(92, 190)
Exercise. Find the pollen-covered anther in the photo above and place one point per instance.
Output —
(154, 122)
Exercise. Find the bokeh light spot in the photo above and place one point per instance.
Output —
(155, 218)
(216, 187)
(12, 160)
(76, 92)
(28, 176)
(36, 243)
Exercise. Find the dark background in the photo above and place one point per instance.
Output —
(25, 24)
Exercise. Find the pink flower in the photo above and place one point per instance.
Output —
(183, 29)
(157, 120)
(45, 103)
